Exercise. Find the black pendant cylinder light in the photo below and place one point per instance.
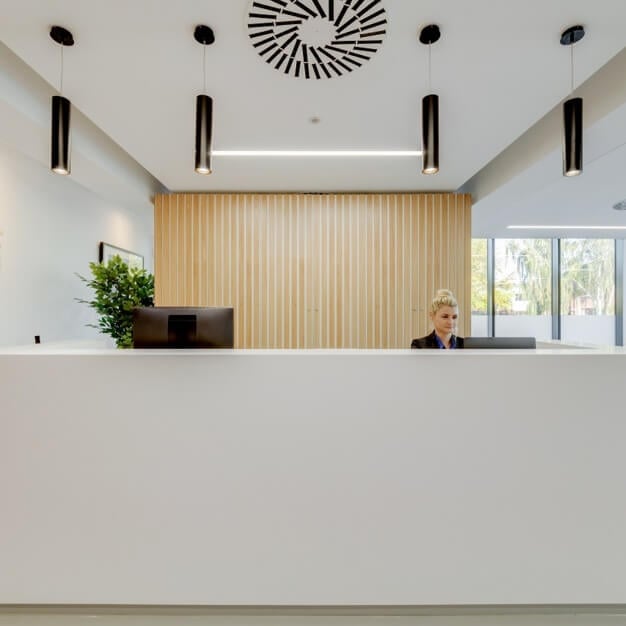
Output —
(204, 132)
(573, 137)
(61, 113)
(60, 139)
(430, 134)
(572, 113)
(430, 111)
(204, 108)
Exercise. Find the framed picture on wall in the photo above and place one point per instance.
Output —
(106, 251)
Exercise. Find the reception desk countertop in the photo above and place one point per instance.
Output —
(550, 348)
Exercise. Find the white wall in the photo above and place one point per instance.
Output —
(49, 229)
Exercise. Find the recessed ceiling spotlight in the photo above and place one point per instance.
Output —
(620, 206)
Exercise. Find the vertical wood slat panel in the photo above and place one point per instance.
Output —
(309, 270)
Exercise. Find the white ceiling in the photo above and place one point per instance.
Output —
(540, 195)
(499, 68)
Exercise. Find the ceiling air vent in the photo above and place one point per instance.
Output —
(316, 38)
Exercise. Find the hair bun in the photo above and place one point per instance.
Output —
(444, 297)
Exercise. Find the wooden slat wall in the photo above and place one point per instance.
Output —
(315, 271)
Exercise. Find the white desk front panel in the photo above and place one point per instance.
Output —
(312, 478)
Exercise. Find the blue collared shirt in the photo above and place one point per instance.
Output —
(440, 343)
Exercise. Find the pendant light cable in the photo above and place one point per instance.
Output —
(429, 66)
(61, 80)
(571, 57)
(204, 68)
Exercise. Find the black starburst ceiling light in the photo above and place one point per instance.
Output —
(316, 39)
(204, 107)
(572, 112)
(61, 111)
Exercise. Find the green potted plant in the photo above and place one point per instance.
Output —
(118, 289)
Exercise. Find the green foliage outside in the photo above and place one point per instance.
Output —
(479, 276)
(588, 283)
(523, 273)
(117, 290)
(479, 281)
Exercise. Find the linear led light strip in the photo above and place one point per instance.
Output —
(318, 153)
(561, 227)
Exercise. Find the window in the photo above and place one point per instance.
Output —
(521, 280)
(479, 288)
(588, 290)
(523, 289)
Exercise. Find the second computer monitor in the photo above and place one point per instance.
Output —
(509, 343)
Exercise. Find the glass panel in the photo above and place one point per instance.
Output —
(479, 288)
(523, 288)
(588, 290)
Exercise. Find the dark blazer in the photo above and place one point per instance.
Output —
(429, 342)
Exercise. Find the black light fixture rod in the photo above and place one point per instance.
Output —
(430, 109)
(572, 112)
(204, 108)
(60, 113)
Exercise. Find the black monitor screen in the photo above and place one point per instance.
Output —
(183, 327)
(500, 342)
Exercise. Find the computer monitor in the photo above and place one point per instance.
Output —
(183, 327)
(508, 343)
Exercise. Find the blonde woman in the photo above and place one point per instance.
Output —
(444, 313)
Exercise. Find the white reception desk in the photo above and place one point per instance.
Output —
(313, 478)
